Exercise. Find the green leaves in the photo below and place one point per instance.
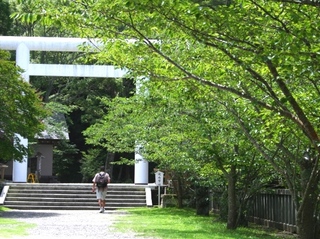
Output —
(21, 113)
(217, 75)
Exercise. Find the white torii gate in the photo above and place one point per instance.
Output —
(23, 46)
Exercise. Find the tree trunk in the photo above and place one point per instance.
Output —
(307, 223)
(178, 190)
(232, 205)
(202, 201)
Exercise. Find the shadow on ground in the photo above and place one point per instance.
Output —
(26, 214)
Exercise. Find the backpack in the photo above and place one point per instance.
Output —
(102, 180)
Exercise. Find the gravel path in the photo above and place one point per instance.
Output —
(71, 224)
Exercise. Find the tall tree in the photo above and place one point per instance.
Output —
(264, 53)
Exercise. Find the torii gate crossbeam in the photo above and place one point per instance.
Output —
(23, 46)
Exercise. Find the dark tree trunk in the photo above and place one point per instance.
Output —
(232, 205)
(177, 185)
(307, 222)
(202, 201)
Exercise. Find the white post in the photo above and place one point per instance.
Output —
(159, 182)
(141, 169)
(20, 169)
(159, 196)
(23, 59)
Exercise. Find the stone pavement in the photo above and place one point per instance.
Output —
(71, 224)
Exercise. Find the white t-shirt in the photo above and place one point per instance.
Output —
(95, 179)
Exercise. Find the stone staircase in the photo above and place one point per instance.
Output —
(60, 196)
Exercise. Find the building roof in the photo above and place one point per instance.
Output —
(55, 128)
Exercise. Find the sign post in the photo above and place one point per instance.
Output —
(159, 183)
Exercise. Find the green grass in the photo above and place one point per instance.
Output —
(172, 223)
(10, 227)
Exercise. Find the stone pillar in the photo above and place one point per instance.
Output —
(20, 169)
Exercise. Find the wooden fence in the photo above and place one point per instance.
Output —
(274, 210)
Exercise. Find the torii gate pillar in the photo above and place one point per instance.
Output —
(23, 45)
(20, 169)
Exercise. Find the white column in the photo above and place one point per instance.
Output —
(141, 166)
(141, 169)
(20, 169)
(23, 59)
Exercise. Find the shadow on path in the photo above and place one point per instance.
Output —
(26, 214)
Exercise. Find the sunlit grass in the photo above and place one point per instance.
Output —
(172, 223)
(11, 227)
(166, 223)
(2, 209)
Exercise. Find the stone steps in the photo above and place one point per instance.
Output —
(59, 196)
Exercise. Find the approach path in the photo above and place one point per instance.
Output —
(71, 224)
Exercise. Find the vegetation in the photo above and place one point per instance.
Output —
(22, 110)
(173, 223)
(63, 97)
(257, 59)
(5, 19)
(228, 90)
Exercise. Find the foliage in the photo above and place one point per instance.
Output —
(5, 20)
(257, 58)
(22, 112)
(83, 105)
(91, 162)
(180, 125)
(262, 55)
(64, 166)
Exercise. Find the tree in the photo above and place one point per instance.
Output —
(262, 54)
(21, 113)
(189, 136)
(5, 20)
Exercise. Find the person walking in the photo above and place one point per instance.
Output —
(100, 187)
